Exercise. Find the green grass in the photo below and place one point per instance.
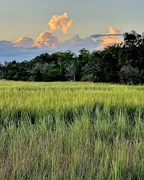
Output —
(71, 131)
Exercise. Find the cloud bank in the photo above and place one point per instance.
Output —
(25, 48)
(23, 42)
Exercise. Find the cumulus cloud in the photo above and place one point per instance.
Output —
(23, 42)
(45, 43)
(46, 39)
(57, 22)
(112, 30)
(111, 39)
(61, 22)
(25, 48)
(113, 36)
(76, 43)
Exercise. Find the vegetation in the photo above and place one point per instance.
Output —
(118, 63)
(71, 131)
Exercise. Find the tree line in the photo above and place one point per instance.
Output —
(118, 63)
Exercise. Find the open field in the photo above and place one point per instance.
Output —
(71, 131)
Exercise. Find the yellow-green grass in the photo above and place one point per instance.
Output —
(68, 130)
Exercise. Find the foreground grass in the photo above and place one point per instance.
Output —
(71, 131)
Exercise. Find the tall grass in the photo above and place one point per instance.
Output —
(71, 131)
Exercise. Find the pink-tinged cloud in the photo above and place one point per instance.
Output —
(57, 22)
(46, 39)
(111, 38)
(24, 42)
(25, 48)
(112, 30)
(61, 22)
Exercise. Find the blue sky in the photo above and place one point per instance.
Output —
(29, 18)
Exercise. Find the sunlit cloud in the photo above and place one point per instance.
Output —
(46, 39)
(57, 22)
(23, 42)
(113, 36)
(112, 30)
(111, 39)
(61, 22)
(25, 48)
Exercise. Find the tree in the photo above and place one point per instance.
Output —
(91, 69)
(116, 63)
(132, 38)
(71, 70)
(70, 65)
(1, 71)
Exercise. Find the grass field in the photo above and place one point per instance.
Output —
(71, 131)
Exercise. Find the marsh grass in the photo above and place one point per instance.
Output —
(71, 131)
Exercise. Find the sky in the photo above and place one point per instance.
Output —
(31, 27)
